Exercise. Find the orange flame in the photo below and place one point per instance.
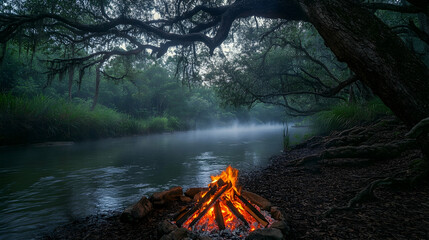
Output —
(208, 222)
(229, 175)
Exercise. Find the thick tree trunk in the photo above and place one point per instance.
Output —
(379, 57)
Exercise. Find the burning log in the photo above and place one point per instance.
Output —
(218, 216)
(213, 201)
(253, 211)
(234, 210)
(223, 207)
(182, 218)
(181, 213)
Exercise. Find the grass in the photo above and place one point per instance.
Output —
(286, 138)
(347, 115)
(24, 120)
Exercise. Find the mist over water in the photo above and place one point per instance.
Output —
(42, 187)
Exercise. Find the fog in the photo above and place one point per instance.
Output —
(44, 186)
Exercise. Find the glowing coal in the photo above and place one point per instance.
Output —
(223, 207)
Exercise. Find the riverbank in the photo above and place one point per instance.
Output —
(43, 119)
(306, 190)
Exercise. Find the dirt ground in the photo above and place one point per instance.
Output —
(342, 165)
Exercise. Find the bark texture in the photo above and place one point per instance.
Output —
(378, 56)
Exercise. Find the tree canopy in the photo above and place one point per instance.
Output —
(96, 32)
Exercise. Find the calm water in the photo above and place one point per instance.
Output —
(43, 187)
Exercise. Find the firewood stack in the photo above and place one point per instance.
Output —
(222, 207)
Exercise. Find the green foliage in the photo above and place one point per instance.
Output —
(347, 115)
(44, 118)
(289, 70)
(158, 124)
(135, 96)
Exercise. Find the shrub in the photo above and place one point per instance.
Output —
(157, 124)
(347, 115)
(44, 119)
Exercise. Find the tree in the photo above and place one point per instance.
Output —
(296, 72)
(373, 52)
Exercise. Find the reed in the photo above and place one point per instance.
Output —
(41, 118)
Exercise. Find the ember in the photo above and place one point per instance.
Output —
(223, 207)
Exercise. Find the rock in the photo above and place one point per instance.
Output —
(282, 226)
(137, 211)
(191, 192)
(198, 196)
(178, 234)
(185, 199)
(256, 199)
(165, 227)
(171, 195)
(277, 214)
(265, 234)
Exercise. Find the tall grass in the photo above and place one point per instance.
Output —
(286, 138)
(41, 118)
(347, 115)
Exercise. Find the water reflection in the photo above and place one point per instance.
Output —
(42, 187)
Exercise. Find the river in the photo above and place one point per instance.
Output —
(42, 186)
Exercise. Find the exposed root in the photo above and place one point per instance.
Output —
(347, 162)
(364, 135)
(352, 131)
(419, 129)
(346, 140)
(308, 160)
(376, 151)
(367, 194)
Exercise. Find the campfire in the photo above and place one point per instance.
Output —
(222, 207)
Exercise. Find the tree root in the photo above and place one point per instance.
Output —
(419, 129)
(376, 151)
(352, 131)
(420, 170)
(346, 140)
(358, 134)
(367, 194)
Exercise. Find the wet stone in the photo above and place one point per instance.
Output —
(277, 214)
(165, 197)
(137, 211)
(185, 199)
(198, 196)
(165, 227)
(178, 234)
(282, 226)
(191, 192)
